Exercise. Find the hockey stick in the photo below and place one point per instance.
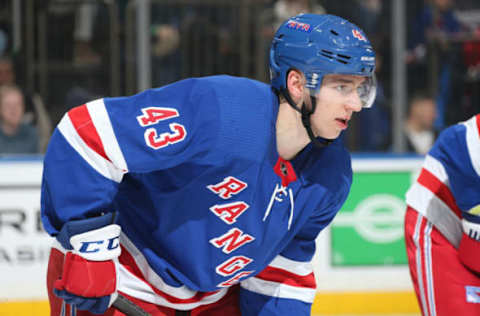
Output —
(128, 307)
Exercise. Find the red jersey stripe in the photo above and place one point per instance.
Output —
(285, 277)
(428, 180)
(83, 124)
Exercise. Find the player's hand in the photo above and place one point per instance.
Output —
(469, 249)
(89, 277)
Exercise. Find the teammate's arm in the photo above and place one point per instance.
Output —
(458, 149)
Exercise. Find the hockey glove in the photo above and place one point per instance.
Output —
(469, 249)
(89, 277)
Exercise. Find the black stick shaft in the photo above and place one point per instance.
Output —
(128, 307)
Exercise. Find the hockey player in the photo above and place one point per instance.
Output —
(207, 195)
(442, 224)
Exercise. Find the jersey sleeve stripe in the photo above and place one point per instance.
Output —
(473, 141)
(436, 168)
(96, 161)
(428, 180)
(431, 196)
(285, 277)
(103, 125)
(441, 215)
(83, 124)
(279, 290)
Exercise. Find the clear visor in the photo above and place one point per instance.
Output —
(367, 91)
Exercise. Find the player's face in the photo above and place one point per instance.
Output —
(337, 99)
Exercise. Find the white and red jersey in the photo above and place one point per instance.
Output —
(449, 182)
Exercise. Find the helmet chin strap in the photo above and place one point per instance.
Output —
(319, 143)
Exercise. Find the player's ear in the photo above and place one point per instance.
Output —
(296, 85)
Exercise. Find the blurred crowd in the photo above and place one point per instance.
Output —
(227, 37)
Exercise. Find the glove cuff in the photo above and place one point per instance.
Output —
(94, 239)
(75, 227)
(99, 244)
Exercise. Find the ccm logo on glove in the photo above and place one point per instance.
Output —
(94, 246)
(99, 244)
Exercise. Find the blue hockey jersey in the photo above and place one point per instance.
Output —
(203, 198)
(449, 183)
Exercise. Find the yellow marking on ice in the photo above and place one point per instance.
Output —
(365, 303)
(24, 308)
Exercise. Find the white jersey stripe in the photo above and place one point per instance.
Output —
(420, 198)
(436, 168)
(64, 306)
(434, 208)
(428, 268)
(429, 205)
(296, 267)
(133, 286)
(473, 143)
(96, 161)
(280, 290)
(103, 125)
(418, 261)
(151, 277)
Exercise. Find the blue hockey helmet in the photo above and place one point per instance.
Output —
(322, 44)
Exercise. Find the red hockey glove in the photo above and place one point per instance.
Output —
(469, 250)
(89, 277)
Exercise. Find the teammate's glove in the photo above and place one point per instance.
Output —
(469, 249)
(89, 277)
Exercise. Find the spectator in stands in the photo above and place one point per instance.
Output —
(35, 112)
(16, 136)
(430, 49)
(418, 128)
